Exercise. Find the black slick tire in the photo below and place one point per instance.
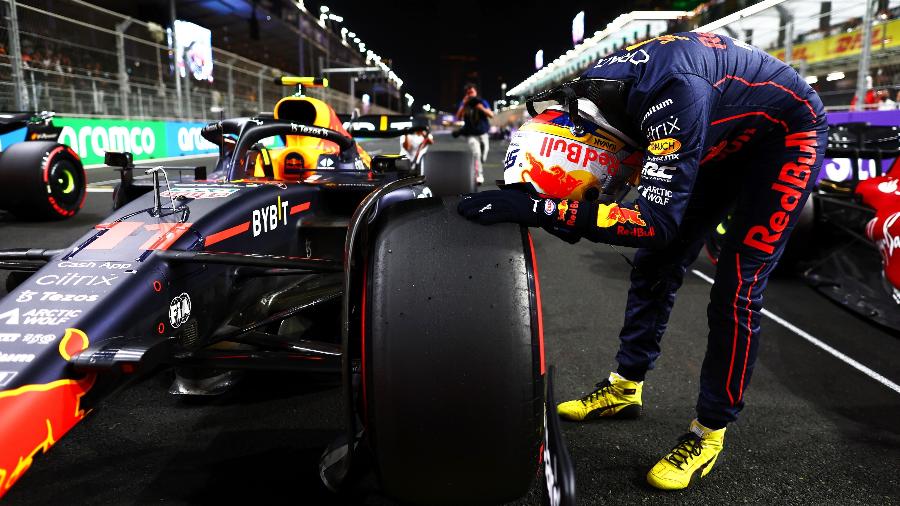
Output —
(452, 357)
(449, 173)
(41, 180)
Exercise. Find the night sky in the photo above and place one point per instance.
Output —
(436, 46)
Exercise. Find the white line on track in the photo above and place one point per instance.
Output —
(816, 342)
(100, 190)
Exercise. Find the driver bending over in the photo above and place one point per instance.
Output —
(713, 125)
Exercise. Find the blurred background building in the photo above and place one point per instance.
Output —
(848, 50)
(110, 58)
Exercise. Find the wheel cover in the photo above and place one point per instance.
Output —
(65, 183)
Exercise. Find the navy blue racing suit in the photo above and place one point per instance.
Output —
(727, 127)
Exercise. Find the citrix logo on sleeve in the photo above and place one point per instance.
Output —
(664, 129)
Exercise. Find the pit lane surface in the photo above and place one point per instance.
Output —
(815, 430)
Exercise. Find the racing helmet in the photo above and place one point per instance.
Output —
(580, 160)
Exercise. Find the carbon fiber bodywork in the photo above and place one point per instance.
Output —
(163, 277)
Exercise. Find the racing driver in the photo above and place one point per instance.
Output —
(704, 125)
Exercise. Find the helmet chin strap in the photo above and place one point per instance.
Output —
(572, 105)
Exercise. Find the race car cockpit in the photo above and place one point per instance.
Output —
(302, 134)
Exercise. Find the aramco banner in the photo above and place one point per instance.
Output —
(92, 138)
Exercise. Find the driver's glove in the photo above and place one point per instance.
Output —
(508, 205)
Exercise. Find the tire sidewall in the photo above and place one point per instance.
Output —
(25, 190)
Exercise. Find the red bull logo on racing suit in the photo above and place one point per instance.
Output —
(793, 178)
(611, 214)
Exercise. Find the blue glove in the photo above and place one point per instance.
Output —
(509, 205)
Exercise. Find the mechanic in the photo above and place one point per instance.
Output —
(475, 113)
(414, 145)
(715, 126)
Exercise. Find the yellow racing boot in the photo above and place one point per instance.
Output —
(615, 397)
(691, 459)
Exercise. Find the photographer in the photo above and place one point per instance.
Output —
(475, 112)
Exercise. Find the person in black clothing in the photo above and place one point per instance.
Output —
(475, 112)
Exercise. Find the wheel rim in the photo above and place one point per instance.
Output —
(65, 183)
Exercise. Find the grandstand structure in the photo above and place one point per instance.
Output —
(848, 50)
(85, 59)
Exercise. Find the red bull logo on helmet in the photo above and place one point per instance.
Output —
(561, 164)
(553, 181)
(579, 154)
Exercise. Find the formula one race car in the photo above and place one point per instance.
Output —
(857, 264)
(845, 242)
(312, 258)
(40, 179)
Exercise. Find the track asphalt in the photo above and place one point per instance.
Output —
(815, 430)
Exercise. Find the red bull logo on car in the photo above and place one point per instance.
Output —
(34, 417)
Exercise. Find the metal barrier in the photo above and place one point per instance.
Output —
(109, 65)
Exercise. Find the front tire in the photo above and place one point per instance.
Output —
(453, 357)
(41, 180)
(449, 173)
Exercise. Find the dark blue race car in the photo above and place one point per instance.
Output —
(312, 258)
